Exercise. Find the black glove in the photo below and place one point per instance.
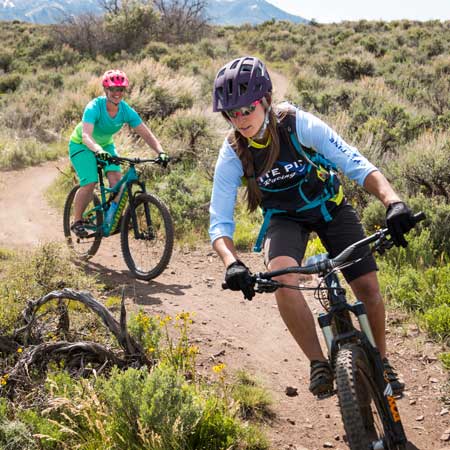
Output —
(163, 159)
(102, 155)
(238, 278)
(399, 220)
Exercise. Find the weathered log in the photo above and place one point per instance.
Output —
(76, 355)
(119, 330)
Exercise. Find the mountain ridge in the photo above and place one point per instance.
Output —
(218, 12)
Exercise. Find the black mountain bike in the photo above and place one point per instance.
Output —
(368, 407)
(145, 226)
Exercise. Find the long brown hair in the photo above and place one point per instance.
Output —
(240, 145)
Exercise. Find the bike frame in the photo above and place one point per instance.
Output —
(124, 189)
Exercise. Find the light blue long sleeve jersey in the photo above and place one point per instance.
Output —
(312, 133)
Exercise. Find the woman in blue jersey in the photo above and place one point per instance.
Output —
(288, 160)
(93, 138)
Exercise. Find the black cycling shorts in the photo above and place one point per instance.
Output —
(288, 237)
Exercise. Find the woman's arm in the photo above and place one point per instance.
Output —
(377, 184)
(227, 179)
(88, 140)
(224, 247)
(144, 132)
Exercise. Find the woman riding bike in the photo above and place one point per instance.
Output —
(288, 160)
(92, 138)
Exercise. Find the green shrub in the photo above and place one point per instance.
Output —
(15, 435)
(155, 50)
(174, 61)
(193, 131)
(415, 289)
(437, 321)
(51, 79)
(50, 434)
(59, 58)
(350, 69)
(9, 82)
(6, 59)
(161, 103)
(187, 195)
(445, 358)
(147, 331)
(426, 166)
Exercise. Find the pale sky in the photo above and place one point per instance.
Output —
(338, 10)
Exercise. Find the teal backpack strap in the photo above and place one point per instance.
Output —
(299, 148)
(263, 230)
(326, 215)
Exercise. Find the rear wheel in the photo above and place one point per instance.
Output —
(87, 247)
(147, 250)
(362, 404)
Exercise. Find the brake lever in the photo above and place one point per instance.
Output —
(382, 244)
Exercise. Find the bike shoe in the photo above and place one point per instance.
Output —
(79, 230)
(392, 378)
(321, 378)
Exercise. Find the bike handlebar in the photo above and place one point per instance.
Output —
(132, 161)
(328, 264)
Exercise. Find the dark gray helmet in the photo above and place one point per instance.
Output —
(239, 83)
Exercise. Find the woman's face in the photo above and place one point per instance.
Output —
(115, 94)
(249, 125)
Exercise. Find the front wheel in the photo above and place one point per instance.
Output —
(147, 242)
(367, 423)
(83, 248)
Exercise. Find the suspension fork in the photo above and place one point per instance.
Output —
(138, 234)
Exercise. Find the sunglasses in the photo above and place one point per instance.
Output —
(116, 89)
(244, 111)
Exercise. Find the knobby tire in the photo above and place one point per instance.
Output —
(147, 257)
(358, 397)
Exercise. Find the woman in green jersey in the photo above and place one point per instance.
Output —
(92, 138)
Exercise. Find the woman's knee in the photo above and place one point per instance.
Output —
(88, 188)
(367, 289)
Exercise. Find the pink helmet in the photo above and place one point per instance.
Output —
(114, 78)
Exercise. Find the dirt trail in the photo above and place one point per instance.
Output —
(25, 218)
(241, 334)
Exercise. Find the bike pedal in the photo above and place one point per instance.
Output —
(325, 395)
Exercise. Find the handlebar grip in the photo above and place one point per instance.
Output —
(419, 217)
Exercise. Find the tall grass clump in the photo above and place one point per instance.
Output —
(31, 275)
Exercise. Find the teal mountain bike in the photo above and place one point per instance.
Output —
(145, 225)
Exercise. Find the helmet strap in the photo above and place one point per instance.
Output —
(262, 130)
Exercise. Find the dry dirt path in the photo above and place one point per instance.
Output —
(241, 334)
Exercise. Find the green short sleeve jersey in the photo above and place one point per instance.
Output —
(105, 126)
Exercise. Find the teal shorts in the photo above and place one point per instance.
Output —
(85, 163)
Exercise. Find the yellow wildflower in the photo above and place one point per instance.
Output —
(218, 368)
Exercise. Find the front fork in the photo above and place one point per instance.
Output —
(140, 234)
(325, 320)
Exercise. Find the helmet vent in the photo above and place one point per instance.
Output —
(242, 88)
